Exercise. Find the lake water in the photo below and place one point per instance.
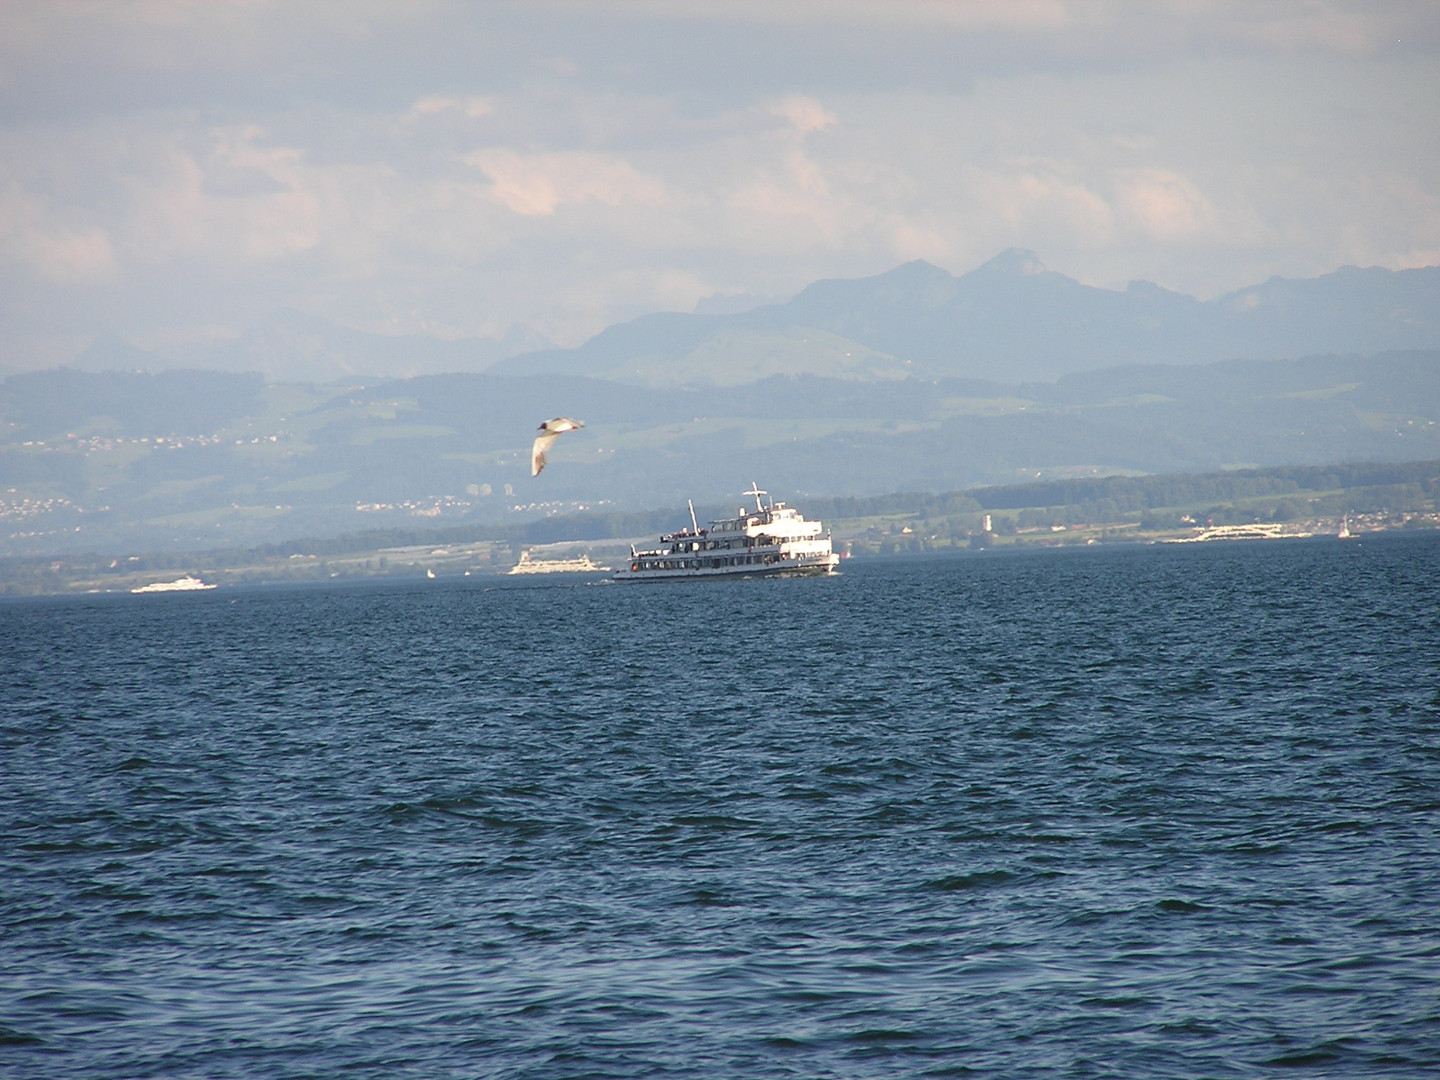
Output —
(1164, 811)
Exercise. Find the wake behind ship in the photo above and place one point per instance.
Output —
(774, 540)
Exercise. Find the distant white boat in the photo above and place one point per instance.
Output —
(582, 565)
(1344, 533)
(188, 583)
(1241, 532)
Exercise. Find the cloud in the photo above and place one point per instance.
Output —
(536, 185)
(1163, 204)
(32, 240)
(1039, 196)
(564, 164)
(970, 14)
(805, 114)
(433, 104)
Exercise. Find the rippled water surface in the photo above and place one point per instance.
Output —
(1168, 811)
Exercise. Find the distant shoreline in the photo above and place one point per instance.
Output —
(1366, 498)
(422, 563)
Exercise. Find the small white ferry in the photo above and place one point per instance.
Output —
(188, 583)
(774, 540)
(1242, 532)
(582, 565)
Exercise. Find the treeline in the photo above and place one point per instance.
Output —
(916, 504)
(1296, 490)
(593, 525)
(1137, 493)
(561, 527)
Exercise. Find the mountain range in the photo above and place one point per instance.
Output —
(1009, 320)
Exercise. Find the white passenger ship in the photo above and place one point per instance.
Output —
(773, 540)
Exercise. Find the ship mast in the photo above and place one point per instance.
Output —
(694, 525)
(755, 490)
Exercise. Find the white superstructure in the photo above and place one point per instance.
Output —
(1242, 532)
(527, 565)
(187, 583)
(772, 539)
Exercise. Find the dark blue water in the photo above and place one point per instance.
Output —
(1168, 811)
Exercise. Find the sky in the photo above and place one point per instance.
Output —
(176, 172)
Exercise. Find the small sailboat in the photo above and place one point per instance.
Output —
(1344, 533)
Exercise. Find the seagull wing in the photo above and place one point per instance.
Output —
(537, 451)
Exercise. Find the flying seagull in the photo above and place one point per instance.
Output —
(550, 430)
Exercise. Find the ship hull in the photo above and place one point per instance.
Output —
(809, 567)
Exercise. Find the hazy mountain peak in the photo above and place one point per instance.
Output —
(1014, 262)
(909, 277)
(1149, 291)
(109, 352)
(302, 321)
(519, 338)
(915, 272)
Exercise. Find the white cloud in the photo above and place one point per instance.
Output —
(433, 104)
(37, 241)
(1163, 204)
(538, 184)
(563, 164)
(805, 114)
